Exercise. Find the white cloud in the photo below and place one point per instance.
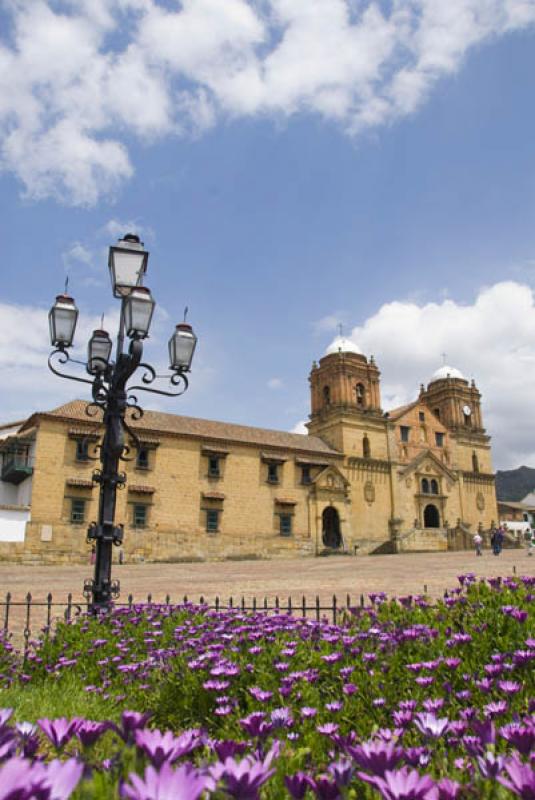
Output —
(300, 427)
(275, 383)
(491, 340)
(76, 82)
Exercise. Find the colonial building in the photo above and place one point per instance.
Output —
(362, 481)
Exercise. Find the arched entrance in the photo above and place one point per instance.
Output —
(331, 528)
(431, 517)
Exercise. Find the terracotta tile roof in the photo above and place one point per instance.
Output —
(193, 427)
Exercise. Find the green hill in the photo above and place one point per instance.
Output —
(514, 484)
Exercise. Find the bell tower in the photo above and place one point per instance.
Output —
(455, 401)
(345, 380)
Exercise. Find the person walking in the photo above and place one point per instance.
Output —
(478, 542)
(531, 541)
(497, 544)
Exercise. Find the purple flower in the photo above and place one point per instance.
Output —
(307, 712)
(160, 747)
(495, 709)
(282, 718)
(376, 756)
(243, 779)
(260, 694)
(89, 731)
(59, 731)
(520, 736)
(430, 725)
(325, 788)
(5, 714)
(485, 731)
(403, 784)
(62, 777)
(328, 729)
(255, 724)
(509, 687)
(228, 748)
(521, 779)
(297, 785)
(490, 765)
(183, 782)
(131, 721)
(448, 789)
(342, 772)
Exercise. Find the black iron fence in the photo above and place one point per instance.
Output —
(30, 618)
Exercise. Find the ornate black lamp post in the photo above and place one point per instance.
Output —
(128, 265)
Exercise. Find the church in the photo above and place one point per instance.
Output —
(362, 481)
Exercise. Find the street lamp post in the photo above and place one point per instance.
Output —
(111, 393)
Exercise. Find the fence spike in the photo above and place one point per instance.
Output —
(6, 612)
(27, 627)
(48, 611)
(231, 603)
(130, 600)
(68, 610)
(201, 600)
(514, 569)
(425, 588)
(304, 606)
(167, 599)
(149, 598)
(290, 610)
(277, 605)
(185, 599)
(265, 604)
(335, 602)
(217, 603)
(254, 603)
(242, 603)
(317, 608)
(362, 601)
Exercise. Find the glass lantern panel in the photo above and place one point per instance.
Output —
(99, 352)
(138, 315)
(128, 268)
(181, 349)
(64, 322)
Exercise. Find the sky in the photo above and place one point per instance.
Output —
(291, 165)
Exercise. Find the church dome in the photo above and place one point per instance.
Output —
(342, 345)
(446, 372)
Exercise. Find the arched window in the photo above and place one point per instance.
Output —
(425, 486)
(475, 462)
(327, 395)
(360, 394)
(434, 486)
(366, 450)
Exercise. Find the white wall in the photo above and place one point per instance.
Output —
(13, 525)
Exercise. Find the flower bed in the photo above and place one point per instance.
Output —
(403, 700)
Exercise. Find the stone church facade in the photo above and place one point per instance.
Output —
(362, 481)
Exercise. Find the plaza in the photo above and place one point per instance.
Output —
(394, 574)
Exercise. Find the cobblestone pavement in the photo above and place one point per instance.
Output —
(394, 574)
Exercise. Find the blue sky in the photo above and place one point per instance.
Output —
(277, 206)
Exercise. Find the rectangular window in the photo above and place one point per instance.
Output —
(404, 430)
(213, 467)
(437, 413)
(273, 473)
(82, 452)
(439, 439)
(285, 524)
(77, 511)
(212, 520)
(142, 459)
(421, 416)
(139, 515)
(305, 475)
